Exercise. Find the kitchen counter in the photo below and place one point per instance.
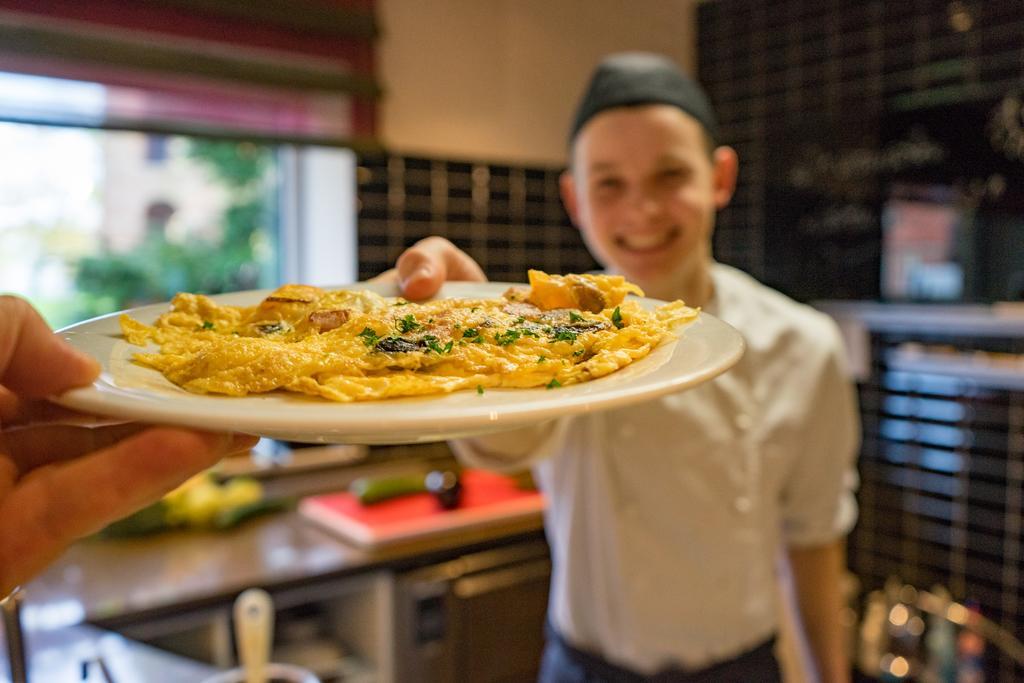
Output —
(109, 582)
(103, 588)
(983, 325)
(172, 592)
(59, 655)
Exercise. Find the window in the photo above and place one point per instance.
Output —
(156, 148)
(90, 224)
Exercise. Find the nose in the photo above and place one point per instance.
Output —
(644, 203)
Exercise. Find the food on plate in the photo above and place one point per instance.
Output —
(355, 345)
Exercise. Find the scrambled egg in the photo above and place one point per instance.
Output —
(355, 345)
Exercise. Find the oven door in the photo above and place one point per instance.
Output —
(478, 618)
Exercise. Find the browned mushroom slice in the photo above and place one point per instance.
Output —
(325, 321)
(588, 297)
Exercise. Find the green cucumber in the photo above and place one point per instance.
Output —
(370, 490)
(225, 519)
(148, 520)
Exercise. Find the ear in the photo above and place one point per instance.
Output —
(726, 166)
(567, 187)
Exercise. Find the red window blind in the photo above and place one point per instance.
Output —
(273, 69)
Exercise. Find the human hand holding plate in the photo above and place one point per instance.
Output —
(60, 480)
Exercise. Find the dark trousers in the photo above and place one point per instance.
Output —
(563, 663)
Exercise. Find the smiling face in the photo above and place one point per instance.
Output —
(644, 190)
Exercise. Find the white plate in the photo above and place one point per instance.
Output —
(705, 348)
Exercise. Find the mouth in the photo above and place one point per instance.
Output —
(647, 243)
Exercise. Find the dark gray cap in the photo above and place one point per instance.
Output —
(637, 78)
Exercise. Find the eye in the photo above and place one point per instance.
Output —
(673, 174)
(608, 185)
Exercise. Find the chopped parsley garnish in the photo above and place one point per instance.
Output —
(520, 320)
(579, 352)
(529, 333)
(401, 302)
(507, 337)
(408, 324)
(553, 384)
(562, 334)
(574, 317)
(541, 359)
(479, 389)
(436, 347)
(370, 338)
(207, 325)
(617, 318)
(473, 334)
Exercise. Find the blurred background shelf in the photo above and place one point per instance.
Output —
(978, 369)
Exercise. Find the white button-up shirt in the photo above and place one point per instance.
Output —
(665, 518)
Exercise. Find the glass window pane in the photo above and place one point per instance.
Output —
(95, 221)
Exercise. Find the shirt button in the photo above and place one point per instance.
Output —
(744, 422)
(743, 504)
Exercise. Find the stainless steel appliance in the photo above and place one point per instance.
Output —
(475, 619)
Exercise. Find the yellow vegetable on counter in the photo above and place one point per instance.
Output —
(199, 503)
(199, 500)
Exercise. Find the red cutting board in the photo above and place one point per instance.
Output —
(487, 497)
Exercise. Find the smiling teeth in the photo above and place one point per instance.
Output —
(643, 242)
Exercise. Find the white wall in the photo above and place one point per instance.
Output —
(498, 79)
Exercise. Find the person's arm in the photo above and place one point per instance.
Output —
(60, 482)
(818, 504)
(817, 579)
(509, 451)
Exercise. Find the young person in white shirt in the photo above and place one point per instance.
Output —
(665, 519)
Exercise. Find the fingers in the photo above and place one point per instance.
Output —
(35, 446)
(32, 447)
(425, 266)
(34, 362)
(15, 411)
(57, 504)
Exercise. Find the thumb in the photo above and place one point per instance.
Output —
(429, 263)
(34, 362)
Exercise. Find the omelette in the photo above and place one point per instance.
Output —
(355, 345)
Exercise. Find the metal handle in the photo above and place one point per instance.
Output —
(15, 636)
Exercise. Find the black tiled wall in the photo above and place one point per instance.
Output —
(508, 218)
(809, 84)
